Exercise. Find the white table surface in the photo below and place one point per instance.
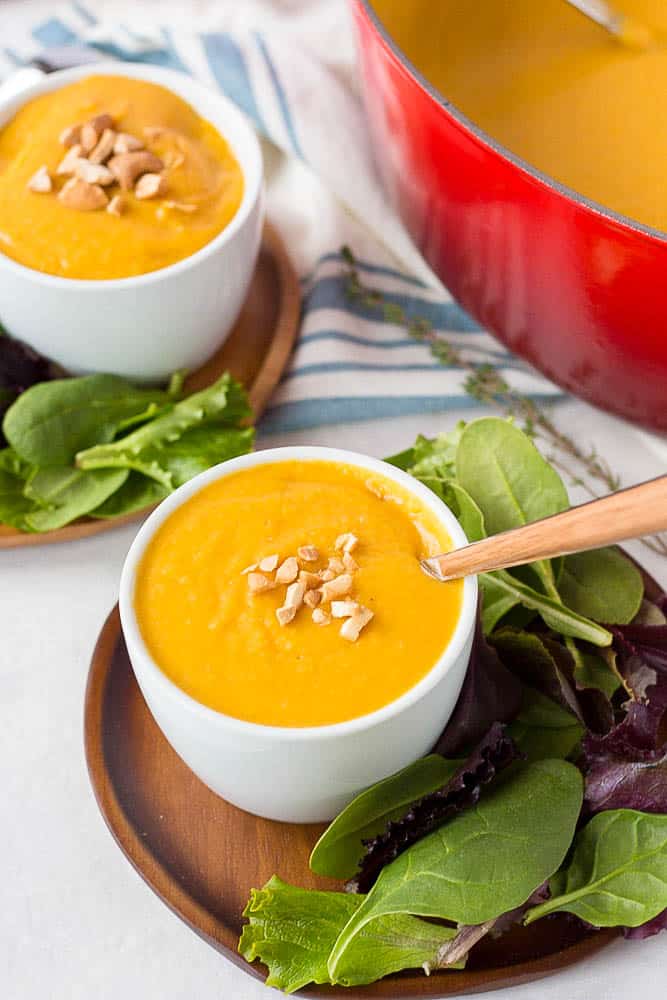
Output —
(76, 921)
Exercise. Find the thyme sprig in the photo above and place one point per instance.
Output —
(485, 384)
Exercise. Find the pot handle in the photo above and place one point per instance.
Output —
(19, 81)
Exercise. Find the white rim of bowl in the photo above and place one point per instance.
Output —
(464, 626)
(251, 165)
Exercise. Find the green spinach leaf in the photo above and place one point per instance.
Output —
(509, 480)
(145, 449)
(62, 494)
(555, 614)
(617, 876)
(340, 847)
(431, 457)
(484, 862)
(14, 505)
(543, 729)
(50, 422)
(293, 930)
(171, 464)
(136, 493)
(598, 670)
(496, 602)
(602, 584)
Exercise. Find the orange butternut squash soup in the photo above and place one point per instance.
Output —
(553, 88)
(111, 177)
(290, 594)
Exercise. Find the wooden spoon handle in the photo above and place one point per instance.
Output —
(639, 510)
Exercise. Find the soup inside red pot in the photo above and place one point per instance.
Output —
(525, 149)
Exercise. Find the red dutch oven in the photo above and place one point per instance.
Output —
(574, 288)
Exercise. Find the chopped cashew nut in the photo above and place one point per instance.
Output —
(69, 161)
(258, 583)
(295, 594)
(344, 609)
(126, 143)
(81, 196)
(312, 598)
(180, 206)
(94, 173)
(104, 147)
(70, 136)
(269, 563)
(350, 563)
(117, 206)
(313, 589)
(128, 167)
(288, 572)
(40, 182)
(92, 131)
(347, 542)
(150, 186)
(308, 553)
(285, 615)
(351, 627)
(340, 586)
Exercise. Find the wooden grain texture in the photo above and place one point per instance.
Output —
(631, 513)
(202, 856)
(256, 352)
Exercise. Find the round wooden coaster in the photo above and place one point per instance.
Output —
(202, 855)
(256, 352)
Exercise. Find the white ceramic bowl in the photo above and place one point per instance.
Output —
(299, 774)
(148, 326)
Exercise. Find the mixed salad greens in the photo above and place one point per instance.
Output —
(547, 791)
(99, 446)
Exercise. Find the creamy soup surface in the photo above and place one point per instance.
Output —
(552, 87)
(204, 183)
(223, 644)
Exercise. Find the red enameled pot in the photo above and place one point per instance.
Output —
(574, 288)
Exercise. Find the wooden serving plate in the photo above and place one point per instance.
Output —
(202, 855)
(255, 352)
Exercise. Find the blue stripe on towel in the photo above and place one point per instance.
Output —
(228, 66)
(330, 293)
(306, 413)
(54, 32)
(280, 94)
(84, 13)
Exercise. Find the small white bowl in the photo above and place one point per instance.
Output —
(300, 775)
(148, 326)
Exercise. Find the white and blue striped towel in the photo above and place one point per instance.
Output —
(323, 192)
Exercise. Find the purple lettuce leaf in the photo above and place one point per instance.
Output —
(635, 779)
(490, 693)
(627, 767)
(20, 367)
(493, 754)
(641, 659)
(648, 929)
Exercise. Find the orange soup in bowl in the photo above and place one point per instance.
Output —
(111, 177)
(290, 593)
